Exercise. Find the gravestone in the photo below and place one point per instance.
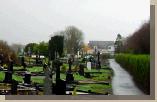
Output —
(10, 68)
(89, 66)
(69, 76)
(1, 59)
(81, 70)
(14, 87)
(98, 65)
(27, 78)
(57, 66)
(60, 88)
(47, 81)
(23, 62)
(87, 75)
(8, 77)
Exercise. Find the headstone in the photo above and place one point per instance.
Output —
(69, 76)
(70, 63)
(1, 59)
(47, 86)
(89, 66)
(57, 66)
(27, 78)
(47, 81)
(98, 65)
(81, 70)
(23, 63)
(8, 77)
(60, 88)
(87, 75)
(10, 68)
(14, 87)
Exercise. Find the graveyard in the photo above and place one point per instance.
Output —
(68, 77)
(64, 65)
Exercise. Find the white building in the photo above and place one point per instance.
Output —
(102, 46)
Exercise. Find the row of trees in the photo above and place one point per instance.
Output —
(34, 48)
(73, 41)
(137, 43)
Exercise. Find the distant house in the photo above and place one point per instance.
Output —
(102, 46)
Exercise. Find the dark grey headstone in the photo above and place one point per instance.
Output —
(27, 78)
(8, 77)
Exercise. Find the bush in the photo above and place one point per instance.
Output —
(139, 67)
(6, 53)
(63, 68)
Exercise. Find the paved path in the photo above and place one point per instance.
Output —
(122, 83)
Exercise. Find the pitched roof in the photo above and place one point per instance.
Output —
(100, 44)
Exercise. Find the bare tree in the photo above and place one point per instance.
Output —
(73, 39)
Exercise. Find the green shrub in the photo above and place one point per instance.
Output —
(138, 66)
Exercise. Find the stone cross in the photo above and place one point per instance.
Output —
(70, 63)
(47, 80)
(98, 62)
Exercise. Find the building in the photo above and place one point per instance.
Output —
(102, 46)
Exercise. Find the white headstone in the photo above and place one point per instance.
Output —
(89, 65)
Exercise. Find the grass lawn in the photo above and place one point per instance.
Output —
(35, 69)
(95, 70)
(37, 79)
(97, 88)
(2, 75)
(18, 68)
(76, 77)
(15, 77)
(100, 77)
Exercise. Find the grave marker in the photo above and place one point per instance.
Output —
(89, 66)
(81, 70)
(69, 76)
(27, 78)
(8, 77)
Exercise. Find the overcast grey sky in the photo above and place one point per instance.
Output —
(24, 21)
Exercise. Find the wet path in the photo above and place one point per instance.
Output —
(122, 83)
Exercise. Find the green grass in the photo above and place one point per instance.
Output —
(18, 68)
(97, 88)
(37, 79)
(18, 78)
(95, 70)
(2, 75)
(35, 69)
(101, 77)
(76, 77)
(15, 77)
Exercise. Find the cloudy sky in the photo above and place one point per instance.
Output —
(24, 21)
